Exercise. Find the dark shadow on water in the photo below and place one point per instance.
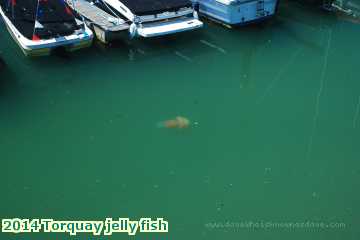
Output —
(2, 63)
(61, 53)
(8, 83)
(61, 58)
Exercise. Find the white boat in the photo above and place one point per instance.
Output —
(151, 18)
(237, 12)
(31, 32)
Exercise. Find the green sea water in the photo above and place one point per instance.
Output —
(274, 137)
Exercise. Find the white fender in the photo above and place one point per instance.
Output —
(133, 30)
(195, 14)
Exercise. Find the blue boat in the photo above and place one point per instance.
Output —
(237, 12)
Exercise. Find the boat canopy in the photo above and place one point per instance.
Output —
(40, 19)
(149, 7)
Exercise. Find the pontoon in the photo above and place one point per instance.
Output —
(40, 26)
(237, 12)
(151, 18)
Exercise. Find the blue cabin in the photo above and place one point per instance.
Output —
(237, 12)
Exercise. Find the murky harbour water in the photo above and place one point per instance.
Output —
(276, 138)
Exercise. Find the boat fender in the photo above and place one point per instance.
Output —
(196, 15)
(133, 30)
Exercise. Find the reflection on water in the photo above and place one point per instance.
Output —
(2, 63)
(7, 80)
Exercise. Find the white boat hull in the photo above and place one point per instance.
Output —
(164, 28)
(237, 12)
(162, 23)
(72, 42)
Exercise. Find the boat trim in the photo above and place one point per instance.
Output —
(123, 10)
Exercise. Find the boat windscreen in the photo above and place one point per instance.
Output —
(149, 7)
(40, 19)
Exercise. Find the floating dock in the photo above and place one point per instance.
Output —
(105, 26)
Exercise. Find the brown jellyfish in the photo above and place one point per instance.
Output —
(179, 122)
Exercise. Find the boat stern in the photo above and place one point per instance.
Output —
(237, 12)
(71, 43)
(169, 26)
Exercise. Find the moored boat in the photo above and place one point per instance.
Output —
(106, 27)
(151, 18)
(41, 26)
(237, 12)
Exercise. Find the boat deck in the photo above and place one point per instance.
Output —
(148, 7)
(98, 16)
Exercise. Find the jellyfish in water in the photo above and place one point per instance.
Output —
(178, 122)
